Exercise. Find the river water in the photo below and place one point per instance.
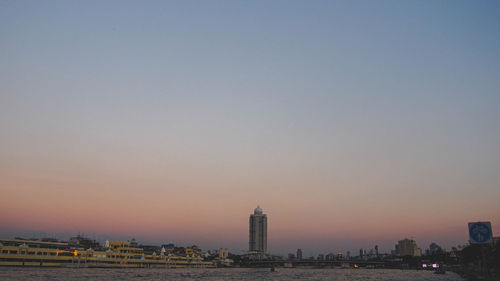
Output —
(16, 273)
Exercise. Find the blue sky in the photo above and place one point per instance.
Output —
(330, 105)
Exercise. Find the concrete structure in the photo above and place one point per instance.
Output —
(258, 231)
(223, 253)
(299, 254)
(408, 247)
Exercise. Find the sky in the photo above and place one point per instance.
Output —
(351, 123)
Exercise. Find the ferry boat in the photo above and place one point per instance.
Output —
(16, 252)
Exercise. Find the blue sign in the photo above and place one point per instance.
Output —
(480, 232)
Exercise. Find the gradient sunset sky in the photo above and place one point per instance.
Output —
(350, 123)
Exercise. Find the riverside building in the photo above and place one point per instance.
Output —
(408, 247)
(258, 231)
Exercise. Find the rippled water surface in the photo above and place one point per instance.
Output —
(13, 273)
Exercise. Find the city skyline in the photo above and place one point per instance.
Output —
(388, 246)
(354, 123)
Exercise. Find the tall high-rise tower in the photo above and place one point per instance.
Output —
(258, 231)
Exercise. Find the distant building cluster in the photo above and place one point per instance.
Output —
(81, 251)
(365, 254)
